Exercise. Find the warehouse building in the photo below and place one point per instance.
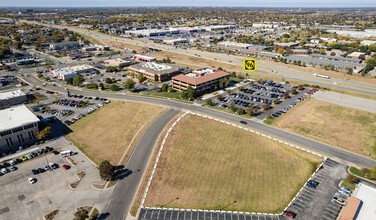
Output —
(18, 126)
(155, 72)
(12, 97)
(66, 45)
(202, 80)
(71, 72)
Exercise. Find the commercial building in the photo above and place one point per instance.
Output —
(367, 195)
(144, 58)
(355, 34)
(95, 48)
(175, 41)
(118, 62)
(368, 42)
(300, 51)
(18, 59)
(12, 97)
(351, 208)
(66, 45)
(18, 126)
(71, 72)
(202, 80)
(155, 72)
(289, 44)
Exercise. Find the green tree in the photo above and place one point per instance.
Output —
(208, 102)
(108, 80)
(140, 76)
(78, 80)
(106, 170)
(300, 87)
(114, 87)
(69, 81)
(250, 110)
(351, 178)
(164, 87)
(232, 107)
(240, 88)
(40, 75)
(240, 111)
(190, 93)
(101, 86)
(275, 101)
(293, 91)
(129, 84)
(266, 106)
(170, 89)
(286, 95)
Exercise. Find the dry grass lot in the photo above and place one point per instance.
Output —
(209, 165)
(343, 127)
(106, 133)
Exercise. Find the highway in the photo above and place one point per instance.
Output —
(285, 72)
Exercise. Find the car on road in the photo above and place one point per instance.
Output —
(66, 167)
(243, 122)
(32, 180)
(290, 214)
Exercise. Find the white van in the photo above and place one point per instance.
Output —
(66, 153)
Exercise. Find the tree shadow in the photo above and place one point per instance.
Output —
(103, 216)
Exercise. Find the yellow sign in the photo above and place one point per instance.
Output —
(249, 65)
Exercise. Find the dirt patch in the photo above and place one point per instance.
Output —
(80, 175)
(215, 166)
(347, 128)
(71, 161)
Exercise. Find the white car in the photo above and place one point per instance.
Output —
(12, 162)
(4, 170)
(31, 180)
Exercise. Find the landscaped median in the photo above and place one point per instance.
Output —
(206, 164)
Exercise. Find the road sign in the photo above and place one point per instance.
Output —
(249, 65)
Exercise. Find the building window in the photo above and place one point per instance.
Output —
(31, 135)
(5, 133)
(9, 142)
(20, 138)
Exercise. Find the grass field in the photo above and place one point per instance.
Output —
(106, 133)
(343, 127)
(212, 165)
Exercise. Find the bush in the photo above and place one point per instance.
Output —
(81, 215)
(352, 179)
(208, 102)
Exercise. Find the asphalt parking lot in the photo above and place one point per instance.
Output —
(309, 204)
(51, 190)
(266, 92)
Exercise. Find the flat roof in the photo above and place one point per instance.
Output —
(368, 196)
(154, 68)
(11, 94)
(15, 117)
(202, 79)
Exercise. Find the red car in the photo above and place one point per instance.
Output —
(310, 93)
(73, 119)
(290, 214)
(315, 89)
(66, 167)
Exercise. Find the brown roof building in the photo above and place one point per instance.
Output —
(202, 80)
(351, 208)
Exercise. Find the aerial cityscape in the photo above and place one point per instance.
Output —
(188, 110)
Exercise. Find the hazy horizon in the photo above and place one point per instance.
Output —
(192, 3)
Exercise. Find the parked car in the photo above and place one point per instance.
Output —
(46, 167)
(313, 184)
(13, 168)
(52, 165)
(34, 171)
(290, 214)
(32, 180)
(23, 158)
(4, 171)
(66, 167)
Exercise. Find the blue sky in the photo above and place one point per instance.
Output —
(211, 3)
